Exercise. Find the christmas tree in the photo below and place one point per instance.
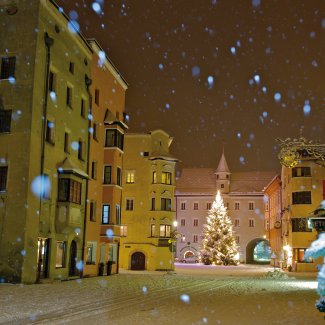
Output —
(218, 244)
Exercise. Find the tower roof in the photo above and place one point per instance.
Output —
(223, 166)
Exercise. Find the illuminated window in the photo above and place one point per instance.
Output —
(130, 176)
(124, 231)
(164, 230)
(166, 178)
(152, 230)
(60, 254)
(154, 177)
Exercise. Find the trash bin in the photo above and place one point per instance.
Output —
(109, 267)
(101, 269)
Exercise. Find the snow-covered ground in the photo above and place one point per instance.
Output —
(193, 294)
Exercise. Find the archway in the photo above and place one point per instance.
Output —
(138, 260)
(258, 251)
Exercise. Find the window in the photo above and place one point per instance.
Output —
(83, 107)
(154, 177)
(130, 176)
(301, 197)
(183, 222)
(152, 230)
(3, 178)
(71, 67)
(183, 238)
(119, 176)
(69, 97)
(300, 225)
(250, 205)
(106, 214)
(52, 82)
(196, 222)
(94, 169)
(236, 205)
(66, 142)
(251, 223)
(299, 255)
(69, 191)
(209, 205)
(49, 136)
(226, 205)
(95, 131)
(166, 204)
(81, 146)
(301, 172)
(183, 205)
(60, 254)
(124, 231)
(165, 230)
(8, 67)
(237, 238)
(92, 212)
(118, 214)
(108, 175)
(153, 204)
(91, 252)
(166, 178)
(5, 120)
(97, 97)
(196, 206)
(267, 224)
(114, 138)
(129, 204)
(237, 223)
(195, 238)
(145, 153)
(222, 185)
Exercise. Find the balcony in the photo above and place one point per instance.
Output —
(68, 217)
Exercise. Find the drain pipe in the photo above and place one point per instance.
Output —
(49, 41)
(88, 83)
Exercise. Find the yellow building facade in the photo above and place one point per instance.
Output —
(273, 219)
(44, 92)
(148, 202)
(108, 119)
(303, 189)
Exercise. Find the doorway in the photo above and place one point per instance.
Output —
(73, 259)
(43, 258)
(138, 261)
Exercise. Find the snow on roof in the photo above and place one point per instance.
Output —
(203, 180)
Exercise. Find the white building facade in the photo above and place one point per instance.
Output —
(242, 193)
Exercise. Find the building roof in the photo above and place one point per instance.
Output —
(203, 180)
(223, 166)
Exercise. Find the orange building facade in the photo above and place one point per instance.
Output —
(107, 126)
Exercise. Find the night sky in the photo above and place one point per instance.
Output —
(216, 73)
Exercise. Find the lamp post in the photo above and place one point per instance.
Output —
(273, 257)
